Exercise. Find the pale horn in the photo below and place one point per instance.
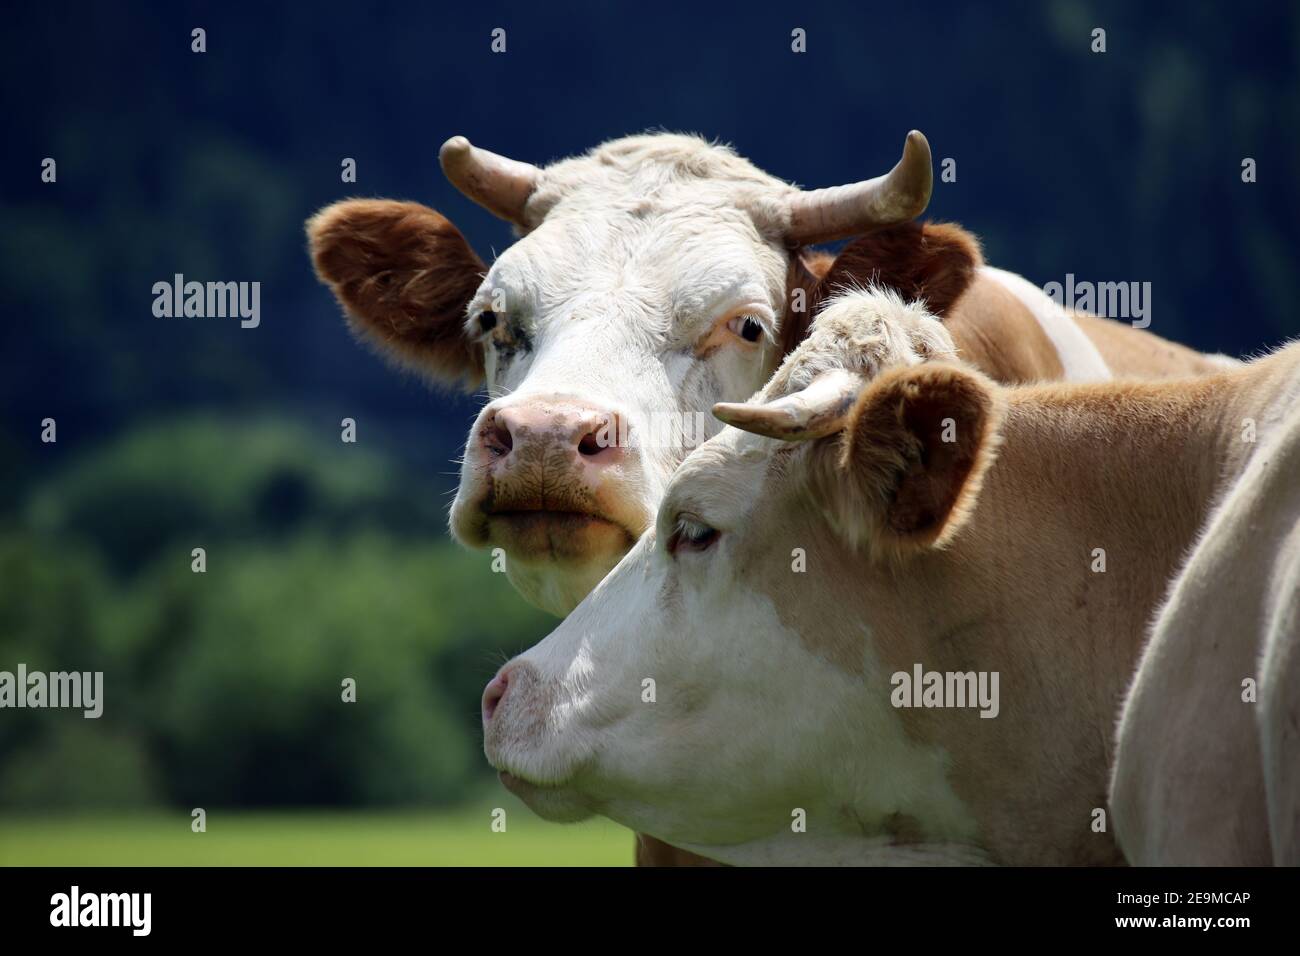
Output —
(813, 412)
(838, 212)
(500, 185)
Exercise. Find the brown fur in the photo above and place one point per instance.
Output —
(806, 270)
(935, 262)
(1131, 467)
(911, 489)
(404, 274)
(652, 852)
(995, 333)
(1137, 353)
(896, 448)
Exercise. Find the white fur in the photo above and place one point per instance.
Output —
(1221, 360)
(638, 250)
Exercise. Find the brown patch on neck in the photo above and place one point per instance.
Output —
(996, 333)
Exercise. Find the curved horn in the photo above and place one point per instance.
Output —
(814, 412)
(500, 185)
(823, 215)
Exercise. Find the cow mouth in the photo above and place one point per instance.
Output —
(547, 514)
(556, 534)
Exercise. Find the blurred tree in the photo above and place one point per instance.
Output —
(225, 687)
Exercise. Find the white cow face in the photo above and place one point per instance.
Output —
(728, 673)
(607, 337)
(650, 283)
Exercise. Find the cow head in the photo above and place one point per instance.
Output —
(654, 276)
(707, 689)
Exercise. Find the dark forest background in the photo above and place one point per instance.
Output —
(329, 560)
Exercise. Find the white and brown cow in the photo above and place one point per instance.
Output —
(655, 276)
(738, 671)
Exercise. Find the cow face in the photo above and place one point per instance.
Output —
(606, 340)
(731, 671)
(651, 282)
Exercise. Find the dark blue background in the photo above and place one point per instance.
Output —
(1116, 167)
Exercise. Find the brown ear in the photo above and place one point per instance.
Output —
(807, 267)
(934, 262)
(404, 275)
(915, 448)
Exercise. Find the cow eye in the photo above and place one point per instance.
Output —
(747, 327)
(691, 535)
(487, 320)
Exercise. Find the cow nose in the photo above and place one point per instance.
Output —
(585, 432)
(493, 694)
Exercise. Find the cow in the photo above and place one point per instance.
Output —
(655, 276)
(735, 686)
(1207, 765)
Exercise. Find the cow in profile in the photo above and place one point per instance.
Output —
(879, 511)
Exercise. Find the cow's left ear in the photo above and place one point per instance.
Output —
(914, 450)
(931, 261)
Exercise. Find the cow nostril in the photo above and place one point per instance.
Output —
(497, 438)
(601, 438)
(493, 694)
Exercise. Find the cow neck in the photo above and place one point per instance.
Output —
(1096, 496)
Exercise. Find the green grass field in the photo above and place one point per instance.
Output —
(311, 838)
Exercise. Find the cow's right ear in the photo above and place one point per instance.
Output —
(914, 450)
(404, 275)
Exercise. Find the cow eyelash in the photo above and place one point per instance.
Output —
(691, 535)
(746, 326)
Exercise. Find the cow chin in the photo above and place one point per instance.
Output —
(558, 587)
(553, 559)
(550, 803)
(556, 549)
(556, 537)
